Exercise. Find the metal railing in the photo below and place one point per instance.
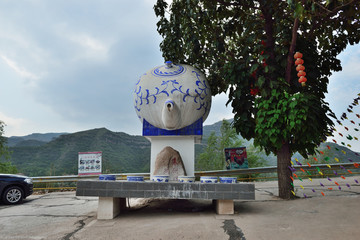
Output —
(250, 174)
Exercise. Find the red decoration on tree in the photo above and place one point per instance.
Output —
(300, 68)
(254, 91)
(298, 55)
(302, 80)
(264, 63)
(301, 73)
(299, 61)
(254, 74)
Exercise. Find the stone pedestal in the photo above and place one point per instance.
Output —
(110, 207)
(225, 206)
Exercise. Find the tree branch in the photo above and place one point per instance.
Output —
(321, 6)
(328, 15)
(291, 51)
(335, 10)
(239, 3)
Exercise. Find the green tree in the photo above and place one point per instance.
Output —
(247, 48)
(210, 158)
(255, 156)
(5, 167)
(4, 151)
(213, 157)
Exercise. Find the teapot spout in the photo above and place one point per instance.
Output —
(170, 115)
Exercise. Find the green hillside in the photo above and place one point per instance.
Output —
(30, 143)
(335, 151)
(121, 153)
(57, 153)
(34, 138)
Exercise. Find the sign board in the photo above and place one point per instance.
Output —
(89, 163)
(236, 158)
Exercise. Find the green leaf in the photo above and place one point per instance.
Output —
(266, 69)
(292, 105)
(261, 81)
(299, 10)
(273, 140)
(254, 67)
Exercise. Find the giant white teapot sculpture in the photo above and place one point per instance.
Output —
(172, 96)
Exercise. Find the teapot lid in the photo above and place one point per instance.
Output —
(169, 69)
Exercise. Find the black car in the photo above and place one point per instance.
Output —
(14, 188)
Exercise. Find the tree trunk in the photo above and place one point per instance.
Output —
(284, 172)
(290, 58)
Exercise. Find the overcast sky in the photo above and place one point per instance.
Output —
(68, 66)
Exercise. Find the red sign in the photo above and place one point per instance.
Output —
(236, 158)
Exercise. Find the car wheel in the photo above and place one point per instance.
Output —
(13, 195)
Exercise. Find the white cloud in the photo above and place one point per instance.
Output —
(18, 69)
(13, 126)
(92, 43)
(90, 46)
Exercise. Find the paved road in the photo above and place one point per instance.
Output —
(49, 216)
(65, 216)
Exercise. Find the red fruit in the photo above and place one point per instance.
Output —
(254, 74)
(254, 91)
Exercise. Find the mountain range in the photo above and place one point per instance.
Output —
(57, 153)
(59, 156)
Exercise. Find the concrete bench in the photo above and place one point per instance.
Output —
(112, 194)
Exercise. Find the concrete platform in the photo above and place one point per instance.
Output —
(112, 194)
(63, 215)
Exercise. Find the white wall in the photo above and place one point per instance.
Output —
(185, 145)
